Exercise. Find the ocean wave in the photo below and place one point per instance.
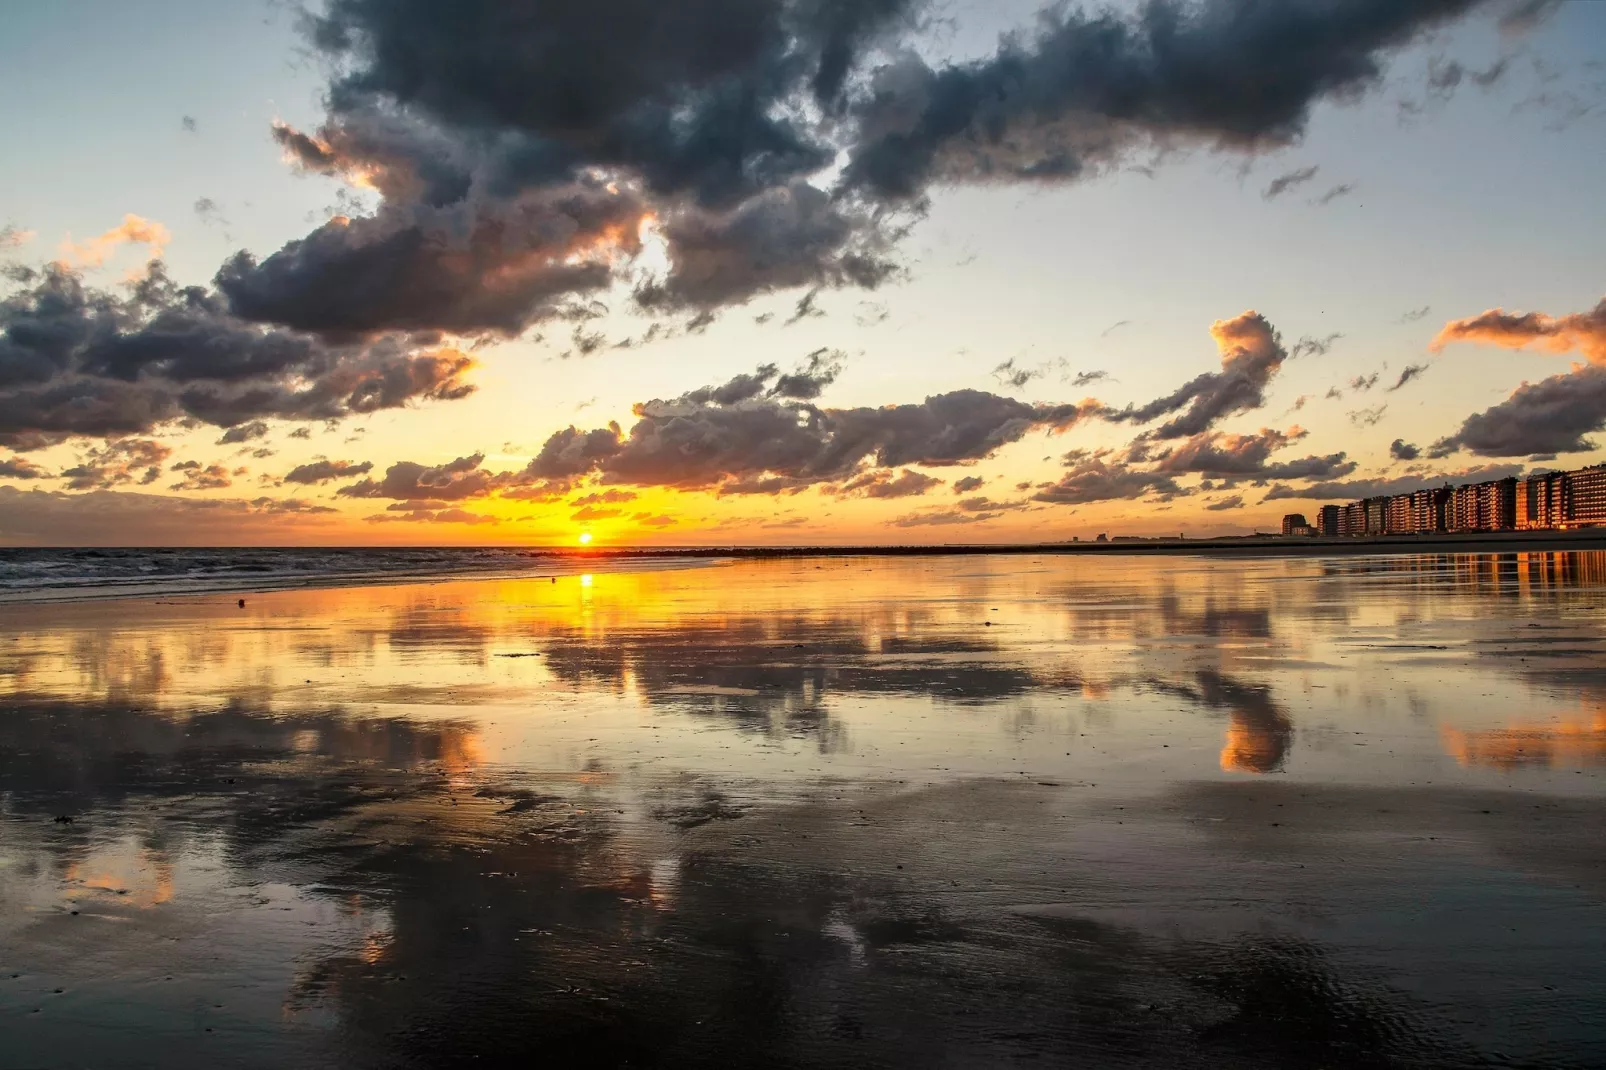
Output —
(32, 574)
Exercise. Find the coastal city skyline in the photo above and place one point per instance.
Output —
(772, 274)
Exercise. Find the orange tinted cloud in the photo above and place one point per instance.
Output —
(134, 230)
(1255, 744)
(1584, 332)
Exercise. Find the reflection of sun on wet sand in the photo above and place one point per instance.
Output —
(142, 878)
(1561, 743)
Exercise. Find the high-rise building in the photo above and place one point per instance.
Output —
(1292, 521)
(1490, 506)
(1498, 503)
(1585, 494)
(1542, 501)
(1551, 501)
(1427, 510)
(1376, 516)
(1352, 521)
(1397, 515)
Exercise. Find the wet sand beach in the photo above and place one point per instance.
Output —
(917, 811)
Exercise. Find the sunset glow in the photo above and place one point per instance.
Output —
(398, 322)
(802, 533)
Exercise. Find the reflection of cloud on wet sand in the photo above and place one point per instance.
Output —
(832, 932)
(1259, 732)
(1560, 744)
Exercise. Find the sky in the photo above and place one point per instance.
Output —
(791, 272)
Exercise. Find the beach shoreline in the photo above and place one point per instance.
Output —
(1261, 546)
(543, 563)
(234, 586)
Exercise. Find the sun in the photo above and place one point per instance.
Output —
(585, 538)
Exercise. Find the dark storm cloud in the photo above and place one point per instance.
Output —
(1555, 415)
(1314, 347)
(1220, 454)
(410, 481)
(1283, 183)
(1402, 450)
(539, 491)
(883, 484)
(324, 471)
(127, 518)
(1012, 374)
(1343, 189)
(809, 381)
(244, 433)
(468, 118)
(80, 361)
(1217, 453)
(195, 476)
(486, 268)
(572, 452)
(433, 516)
(1093, 479)
(757, 434)
(207, 210)
(1368, 488)
(805, 308)
(944, 518)
(306, 151)
(1087, 87)
(607, 497)
(1251, 354)
(1368, 417)
(1552, 416)
(116, 463)
(21, 468)
(780, 239)
(689, 94)
(485, 125)
(288, 506)
(1411, 371)
(953, 428)
(522, 151)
